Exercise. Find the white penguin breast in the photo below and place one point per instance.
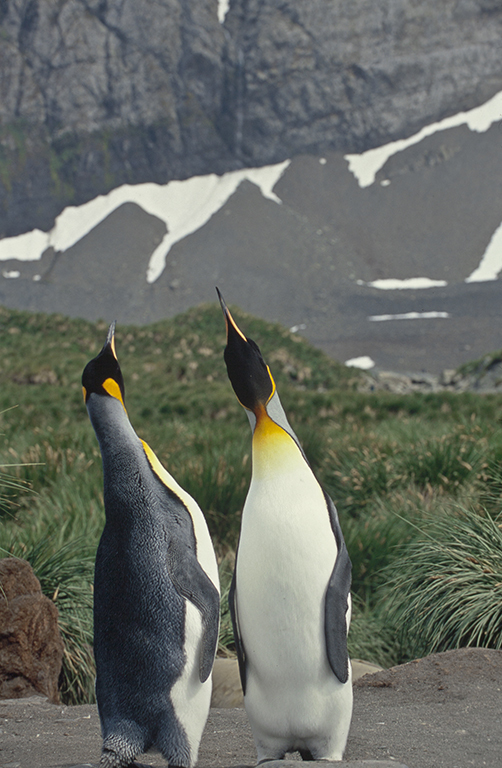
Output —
(190, 698)
(287, 551)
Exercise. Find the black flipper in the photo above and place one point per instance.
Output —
(192, 583)
(239, 647)
(335, 623)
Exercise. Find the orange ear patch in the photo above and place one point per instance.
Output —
(113, 389)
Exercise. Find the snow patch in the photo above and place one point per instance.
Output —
(366, 165)
(491, 263)
(412, 283)
(223, 6)
(184, 206)
(364, 362)
(409, 316)
(26, 247)
(190, 204)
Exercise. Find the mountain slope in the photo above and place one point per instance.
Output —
(98, 93)
(307, 255)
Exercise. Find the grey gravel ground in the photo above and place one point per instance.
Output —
(444, 711)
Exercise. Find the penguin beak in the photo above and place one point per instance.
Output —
(249, 375)
(103, 372)
(110, 339)
(230, 323)
(110, 385)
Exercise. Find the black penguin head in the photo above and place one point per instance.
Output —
(102, 374)
(247, 370)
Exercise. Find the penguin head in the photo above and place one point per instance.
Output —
(248, 372)
(102, 374)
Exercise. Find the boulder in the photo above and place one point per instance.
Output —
(31, 648)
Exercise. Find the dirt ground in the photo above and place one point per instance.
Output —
(444, 711)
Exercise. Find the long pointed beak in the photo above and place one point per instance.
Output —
(229, 320)
(110, 339)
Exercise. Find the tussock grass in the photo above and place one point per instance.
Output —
(444, 590)
(371, 638)
(226, 644)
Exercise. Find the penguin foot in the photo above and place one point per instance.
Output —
(111, 759)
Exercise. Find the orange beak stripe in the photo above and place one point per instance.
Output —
(230, 319)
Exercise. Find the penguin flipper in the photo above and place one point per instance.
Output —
(192, 583)
(335, 622)
(239, 647)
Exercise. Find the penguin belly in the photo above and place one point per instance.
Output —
(190, 698)
(286, 555)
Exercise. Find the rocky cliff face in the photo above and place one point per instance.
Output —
(352, 74)
(96, 93)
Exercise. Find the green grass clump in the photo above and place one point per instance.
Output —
(447, 462)
(390, 462)
(370, 637)
(444, 591)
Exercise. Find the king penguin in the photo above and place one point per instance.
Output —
(290, 595)
(156, 591)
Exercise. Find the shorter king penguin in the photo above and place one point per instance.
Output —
(290, 595)
(156, 591)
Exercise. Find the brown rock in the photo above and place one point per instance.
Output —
(31, 648)
(227, 691)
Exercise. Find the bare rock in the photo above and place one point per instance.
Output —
(102, 93)
(227, 690)
(353, 75)
(31, 648)
(95, 94)
(393, 382)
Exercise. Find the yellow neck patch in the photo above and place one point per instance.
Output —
(157, 467)
(273, 447)
(273, 385)
(166, 477)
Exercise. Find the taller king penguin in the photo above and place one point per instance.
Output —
(290, 596)
(156, 591)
